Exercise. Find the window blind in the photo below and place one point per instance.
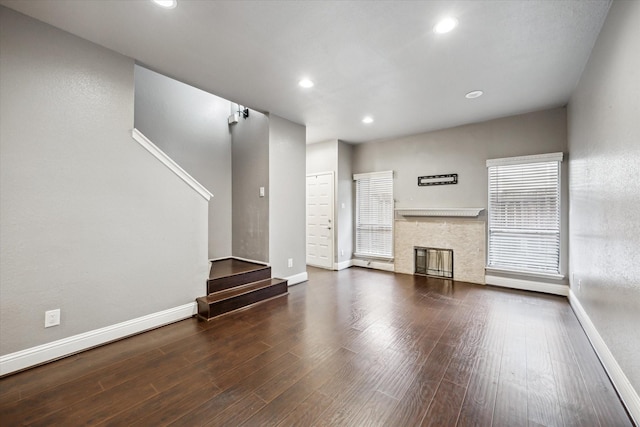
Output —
(524, 213)
(374, 214)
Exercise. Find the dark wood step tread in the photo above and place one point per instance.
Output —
(241, 290)
(231, 267)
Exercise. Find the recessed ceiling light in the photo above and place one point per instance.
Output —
(367, 120)
(445, 25)
(167, 4)
(306, 83)
(474, 94)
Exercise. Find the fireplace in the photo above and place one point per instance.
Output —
(463, 236)
(433, 262)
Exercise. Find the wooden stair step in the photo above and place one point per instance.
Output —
(240, 290)
(230, 272)
(228, 300)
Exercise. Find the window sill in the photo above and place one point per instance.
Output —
(380, 258)
(429, 212)
(553, 276)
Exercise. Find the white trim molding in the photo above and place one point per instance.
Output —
(297, 278)
(168, 162)
(550, 157)
(458, 212)
(382, 174)
(527, 285)
(538, 275)
(342, 265)
(67, 346)
(627, 393)
(376, 265)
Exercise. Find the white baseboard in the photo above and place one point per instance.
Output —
(55, 350)
(342, 265)
(377, 265)
(527, 285)
(297, 278)
(620, 381)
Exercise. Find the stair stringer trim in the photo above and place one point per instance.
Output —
(168, 162)
(38, 355)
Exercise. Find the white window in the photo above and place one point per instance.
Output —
(374, 214)
(524, 213)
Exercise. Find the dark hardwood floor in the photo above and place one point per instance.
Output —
(354, 348)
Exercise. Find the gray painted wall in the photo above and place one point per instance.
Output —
(190, 125)
(604, 174)
(287, 198)
(462, 150)
(344, 203)
(250, 171)
(322, 157)
(91, 223)
(336, 156)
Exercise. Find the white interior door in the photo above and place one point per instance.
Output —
(320, 223)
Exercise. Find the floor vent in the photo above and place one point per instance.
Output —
(434, 262)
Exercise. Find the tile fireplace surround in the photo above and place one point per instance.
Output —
(466, 236)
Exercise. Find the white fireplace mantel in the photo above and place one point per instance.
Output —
(458, 212)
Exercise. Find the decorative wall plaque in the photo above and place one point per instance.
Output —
(451, 178)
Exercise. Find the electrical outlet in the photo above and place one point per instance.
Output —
(341, 252)
(51, 318)
(261, 191)
(290, 262)
(579, 283)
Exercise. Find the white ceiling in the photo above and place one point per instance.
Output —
(377, 58)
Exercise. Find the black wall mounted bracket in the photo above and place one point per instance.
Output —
(451, 178)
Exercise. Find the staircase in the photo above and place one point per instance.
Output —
(234, 284)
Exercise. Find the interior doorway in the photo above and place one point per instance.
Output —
(320, 221)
